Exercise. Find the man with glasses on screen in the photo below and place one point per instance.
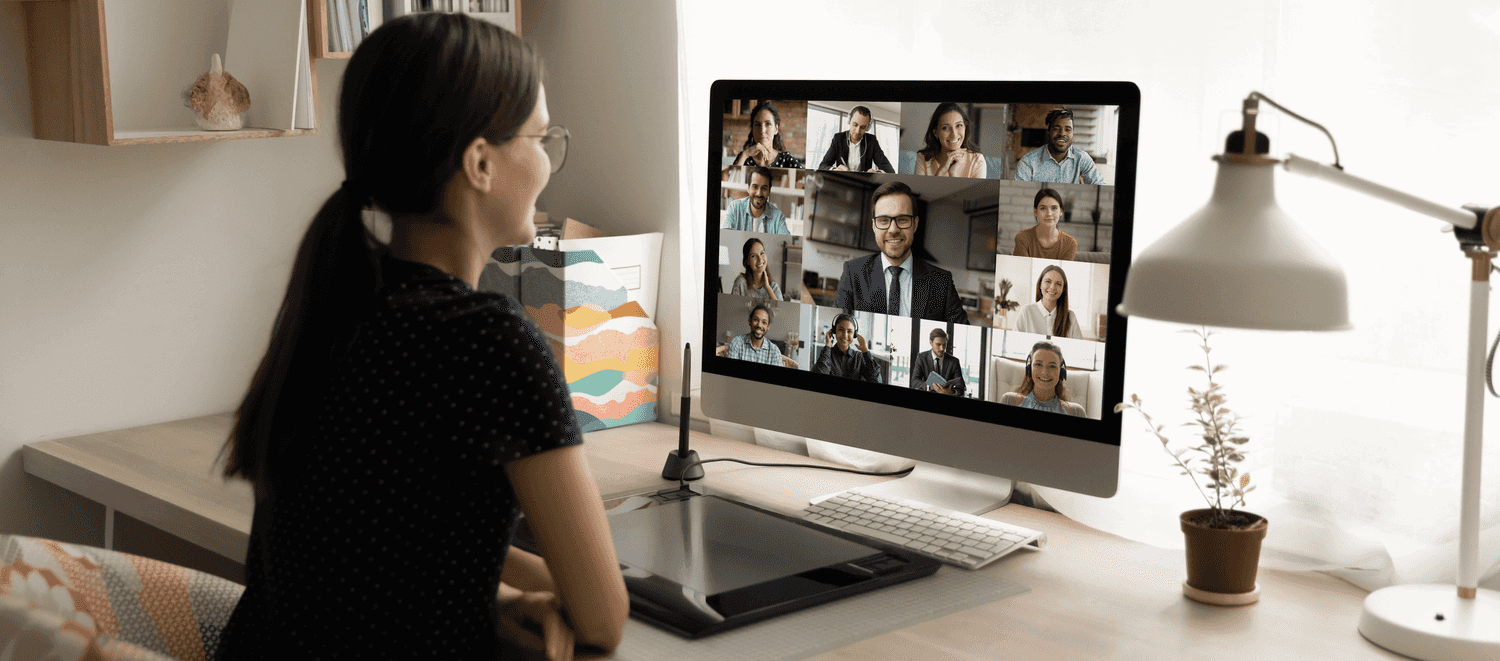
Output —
(893, 281)
(856, 149)
(1059, 162)
(754, 346)
(755, 213)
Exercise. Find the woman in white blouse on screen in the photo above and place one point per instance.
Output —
(1050, 315)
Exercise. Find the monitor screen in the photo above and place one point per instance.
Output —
(924, 269)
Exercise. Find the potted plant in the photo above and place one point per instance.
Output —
(1223, 544)
(1003, 304)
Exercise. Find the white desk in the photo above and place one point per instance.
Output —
(1093, 595)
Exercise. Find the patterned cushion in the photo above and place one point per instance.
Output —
(63, 601)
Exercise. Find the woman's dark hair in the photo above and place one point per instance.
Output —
(415, 94)
(745, 259)
(930, 146)
(1044, 194)
(1061, 323)
(1027, 385)
(775, 117)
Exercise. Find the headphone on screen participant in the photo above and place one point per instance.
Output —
(1062, 365)
(840, 318)
(845, 316)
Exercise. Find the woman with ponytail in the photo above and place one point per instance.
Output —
(400, 420)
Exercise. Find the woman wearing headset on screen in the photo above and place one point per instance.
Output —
(1050, 315)
(1044, 239)
(1044, 388)
(400, 420)
(947, 150)
(756, 281)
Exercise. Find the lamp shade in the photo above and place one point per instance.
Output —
(1239, 262)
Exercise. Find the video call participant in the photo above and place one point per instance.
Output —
(1050, 315)
(754, 346)
(856, 149)
(754, 212)
(756, 281)
(947, 150)
(1044, 387)
(1060, 162)
(763, 146)
(337, 551)
(1044, 240)
(893, 281)
(838, 360)
(938, 360)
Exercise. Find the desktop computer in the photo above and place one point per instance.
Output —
(926, 269)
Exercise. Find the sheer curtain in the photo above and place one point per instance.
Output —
(1356, 436)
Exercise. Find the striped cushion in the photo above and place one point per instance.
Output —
(67, 601)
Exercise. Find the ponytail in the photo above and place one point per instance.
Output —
(401, 132)
(333, 281)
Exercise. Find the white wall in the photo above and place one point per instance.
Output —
(612, 80)
(138, 283)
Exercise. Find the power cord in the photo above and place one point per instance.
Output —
(683, 483)
(1489, 363)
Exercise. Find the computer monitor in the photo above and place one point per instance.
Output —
(1008, 206)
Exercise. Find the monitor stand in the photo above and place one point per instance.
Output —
(957, 490)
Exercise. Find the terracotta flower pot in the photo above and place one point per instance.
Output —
(1223, 561)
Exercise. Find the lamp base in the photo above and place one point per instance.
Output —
(1431, 622)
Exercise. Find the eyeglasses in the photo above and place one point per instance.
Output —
(555, 143)
(902, 222)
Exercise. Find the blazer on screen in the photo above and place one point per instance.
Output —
(933, 296)
(838, 154)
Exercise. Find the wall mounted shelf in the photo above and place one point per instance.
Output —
(72, 98)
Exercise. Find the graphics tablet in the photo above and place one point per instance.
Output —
(699, 565)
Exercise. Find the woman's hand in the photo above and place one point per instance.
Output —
(534, 620)
(950, 160)
(828, 341)
(859, 342)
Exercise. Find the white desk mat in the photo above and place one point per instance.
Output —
(815, 630)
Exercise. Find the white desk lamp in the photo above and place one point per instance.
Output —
(1242, 262)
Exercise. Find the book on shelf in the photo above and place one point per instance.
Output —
(499, 12)
(268, 53)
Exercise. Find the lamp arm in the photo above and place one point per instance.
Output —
(1316, 170)
(1253, 100)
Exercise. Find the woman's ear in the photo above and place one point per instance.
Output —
(479, 165)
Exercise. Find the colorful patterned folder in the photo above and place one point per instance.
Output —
(606, 344)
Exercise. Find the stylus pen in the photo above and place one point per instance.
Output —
(687, 402)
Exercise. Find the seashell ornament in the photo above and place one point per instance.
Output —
(217, 99)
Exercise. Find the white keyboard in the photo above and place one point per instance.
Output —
(956, 538)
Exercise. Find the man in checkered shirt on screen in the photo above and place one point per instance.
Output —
(753, 346)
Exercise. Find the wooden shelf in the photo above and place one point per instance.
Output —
(67, 62)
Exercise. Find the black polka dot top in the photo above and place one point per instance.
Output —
(389, 542)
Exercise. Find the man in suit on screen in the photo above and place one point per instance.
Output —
(856, 149)
(938, 360)
(893, 281)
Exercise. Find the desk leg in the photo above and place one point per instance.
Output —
(109, 527)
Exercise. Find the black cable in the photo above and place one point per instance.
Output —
(683, 483)
(1489, 366)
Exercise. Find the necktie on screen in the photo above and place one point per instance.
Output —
(893, 304)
